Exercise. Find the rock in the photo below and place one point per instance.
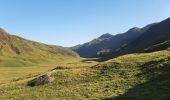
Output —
(60, 68)
(44, 79)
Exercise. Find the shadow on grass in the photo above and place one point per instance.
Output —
(157, 86)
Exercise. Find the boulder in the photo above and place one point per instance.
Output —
(44, 79)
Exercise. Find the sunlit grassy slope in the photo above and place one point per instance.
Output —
(129, 77)
(19, 52)
(10, 74)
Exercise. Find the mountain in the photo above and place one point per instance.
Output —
(89, 49)
(108, 42)
(154, 37)
(17, 51)
(105, 36)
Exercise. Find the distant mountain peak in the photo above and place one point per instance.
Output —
(106, 35)
(148, 26)
(134, 29)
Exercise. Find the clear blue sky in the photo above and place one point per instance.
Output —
(72, 22)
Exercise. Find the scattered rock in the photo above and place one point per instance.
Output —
(59, 68)
(44, 79)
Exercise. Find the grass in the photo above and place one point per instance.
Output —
(19, 52)
(13, 72)
(129, 77)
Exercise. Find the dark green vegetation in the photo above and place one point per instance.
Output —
(134, 40)
(16, 51)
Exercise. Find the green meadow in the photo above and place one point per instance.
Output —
(129, 77)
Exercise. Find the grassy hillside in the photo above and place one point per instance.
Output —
(129, 77)
(16, 51)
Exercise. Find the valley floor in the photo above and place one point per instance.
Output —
(130, 77)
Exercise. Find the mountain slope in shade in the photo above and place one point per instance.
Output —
(108, 42)
(155, 35)
(17, 51)
(89, 49)
(158, 47)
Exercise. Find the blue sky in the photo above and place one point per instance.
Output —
(72, 22)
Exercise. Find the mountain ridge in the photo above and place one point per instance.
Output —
(93, 48)
(156, 34)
